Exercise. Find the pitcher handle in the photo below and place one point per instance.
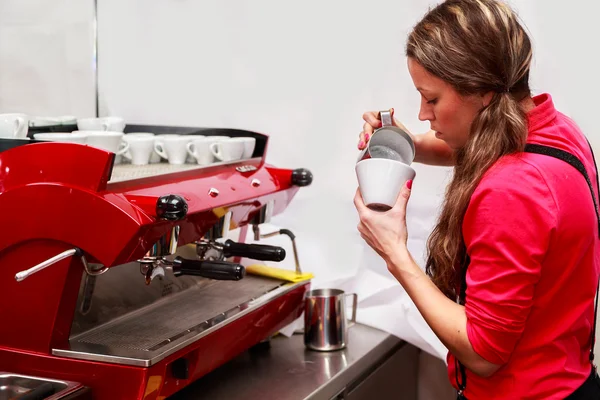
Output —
(386, 118)
(354, 304)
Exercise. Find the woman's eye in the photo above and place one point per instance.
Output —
(432, 101)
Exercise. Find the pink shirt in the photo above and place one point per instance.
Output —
(531, 233)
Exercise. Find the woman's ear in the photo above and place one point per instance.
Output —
(486, 98)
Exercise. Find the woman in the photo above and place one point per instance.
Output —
(514, 259)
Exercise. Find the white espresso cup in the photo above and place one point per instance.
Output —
(199, 149)
(141, 148)
(228, 150)
(173, 148)
(115, 124)
(14, 126)
(154, 157)
(61, 137)
(106, 140)
(249, 144)
(380, 181)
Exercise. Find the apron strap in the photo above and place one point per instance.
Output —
(578, 165)
(570, 159)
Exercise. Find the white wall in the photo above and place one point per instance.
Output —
(46, 57)
(304, 72)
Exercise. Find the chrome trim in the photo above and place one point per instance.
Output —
(20, 276)
(69, 386)
(93, 269)
(143, 359)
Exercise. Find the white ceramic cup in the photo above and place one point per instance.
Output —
(380, 181)
(115, 124)
(41, 121)
(173, 148)
(189, 158)
(199, 149)
(106, 140)
(14, 125)
(249, 144)
(228, 150)
(218, 138)
(61, 137)
(154, 157)
(141, 148)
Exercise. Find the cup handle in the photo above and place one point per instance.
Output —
(158, 148)
(190, 149)
(386, 118)
(123, 148)
(105, 126)
(127, 154)
(215, 150)
(20, 126)
(354, 304)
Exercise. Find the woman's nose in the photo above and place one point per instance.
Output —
(425, 114)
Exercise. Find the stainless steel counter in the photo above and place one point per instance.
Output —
(286, 370)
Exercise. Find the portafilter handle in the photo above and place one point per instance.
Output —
(220, 270)
(261, 252)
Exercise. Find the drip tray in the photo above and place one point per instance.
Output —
(148, 335)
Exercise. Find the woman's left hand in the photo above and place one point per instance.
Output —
(385, 231)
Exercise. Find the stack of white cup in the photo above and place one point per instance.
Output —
(105, 133)
(203, 150)
(141, 148)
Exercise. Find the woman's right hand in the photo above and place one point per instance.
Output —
(373, 122)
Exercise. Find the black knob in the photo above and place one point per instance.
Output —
(302, 177)
(171, 207)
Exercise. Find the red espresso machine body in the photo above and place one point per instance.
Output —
(122, 278)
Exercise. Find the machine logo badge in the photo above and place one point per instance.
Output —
(246, 168)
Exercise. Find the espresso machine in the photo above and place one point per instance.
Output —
(125, 279)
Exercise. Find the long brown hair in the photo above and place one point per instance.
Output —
(477, 46)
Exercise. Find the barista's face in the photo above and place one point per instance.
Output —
(449, 113)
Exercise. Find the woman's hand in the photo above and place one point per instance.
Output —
(385, 231)
(428, 149)
(372, 122)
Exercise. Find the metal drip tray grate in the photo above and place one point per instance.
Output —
(150, 334)
(127, 172)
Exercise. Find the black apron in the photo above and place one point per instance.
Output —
(590, 389)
